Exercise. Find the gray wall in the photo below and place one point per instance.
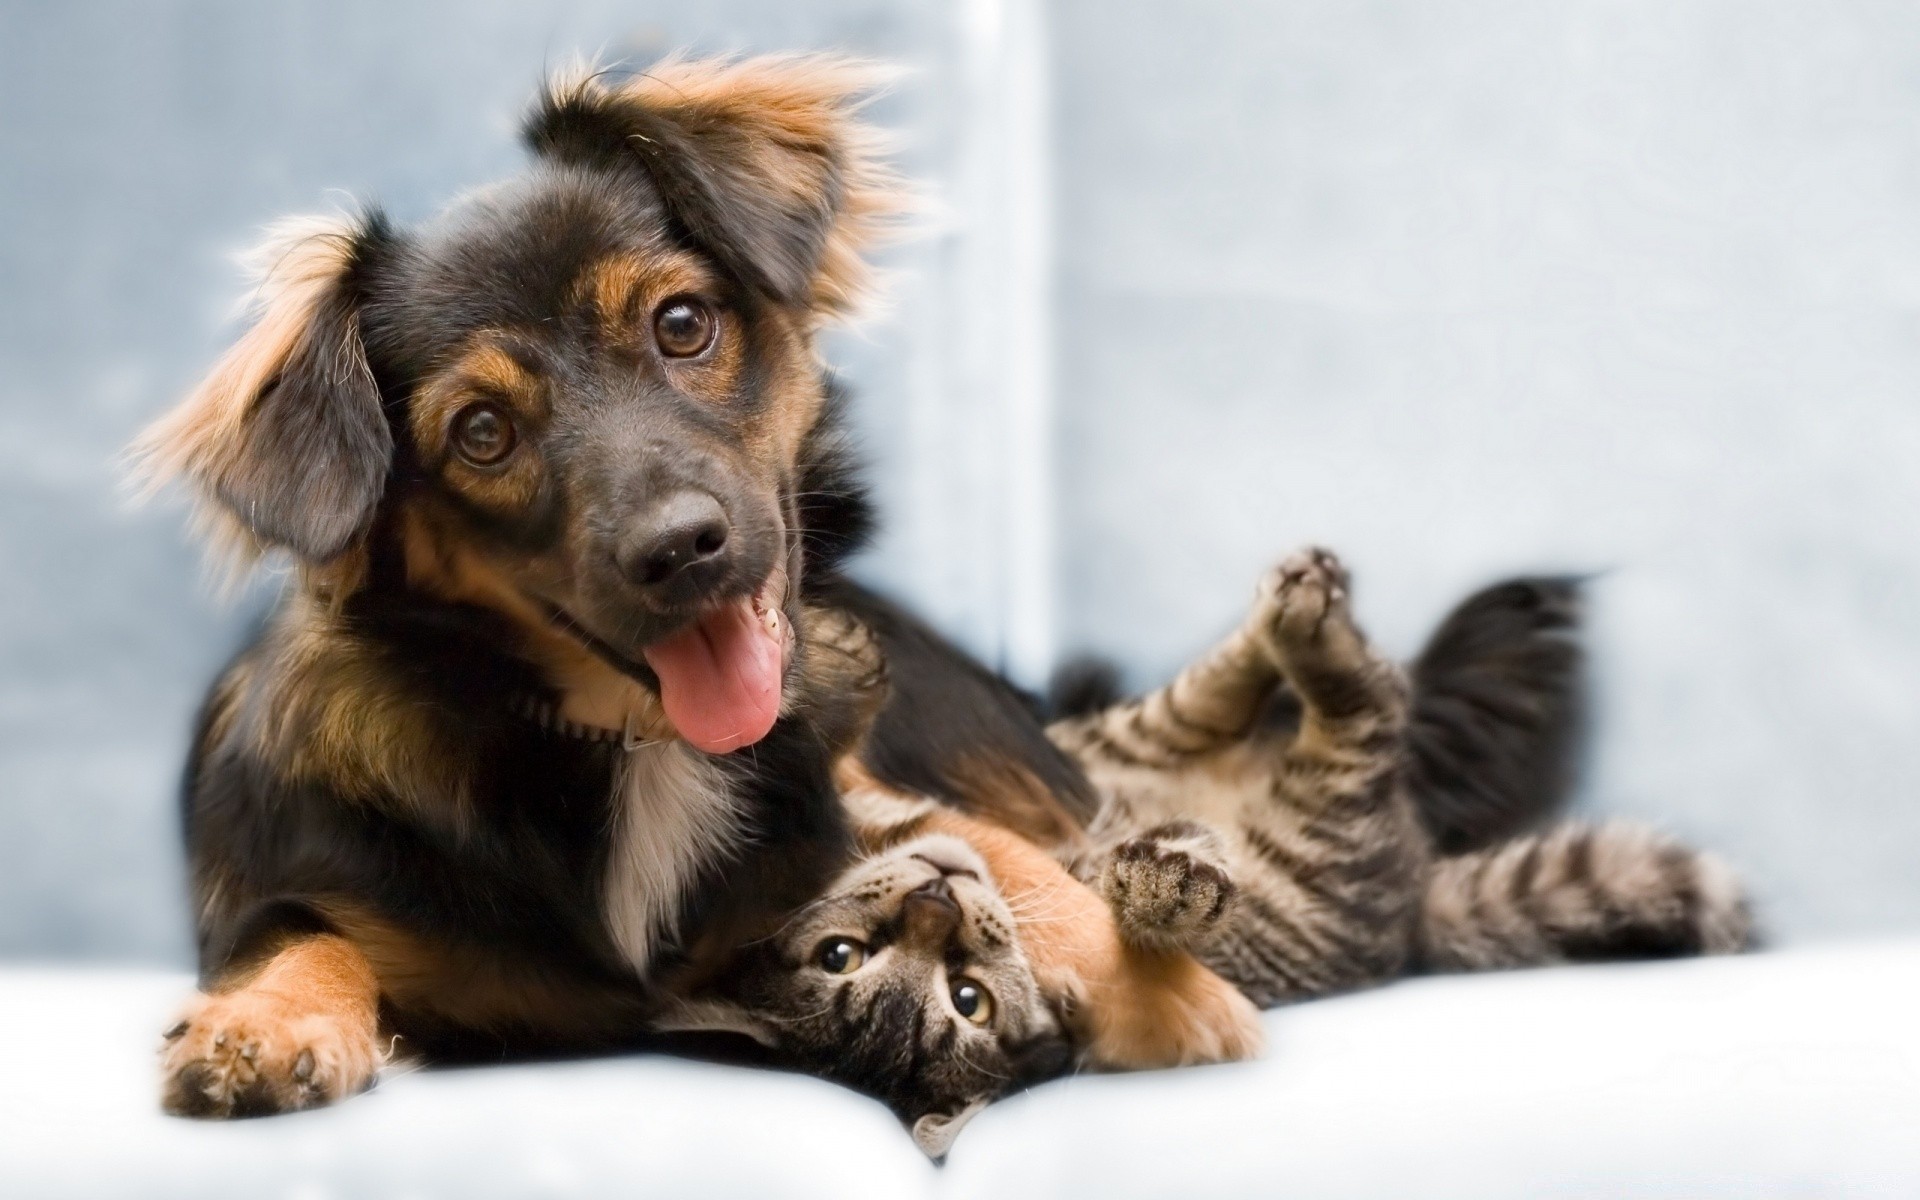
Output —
(1456, 288)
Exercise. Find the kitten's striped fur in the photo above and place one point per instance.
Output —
(1576, 894)
(1295, 864)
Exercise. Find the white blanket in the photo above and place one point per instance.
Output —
(1783, 1074)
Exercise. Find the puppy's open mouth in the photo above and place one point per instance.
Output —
(719, 678)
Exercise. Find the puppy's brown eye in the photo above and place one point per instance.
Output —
(483, 434)
(683, 327)
(972, 1001)
(840, 956)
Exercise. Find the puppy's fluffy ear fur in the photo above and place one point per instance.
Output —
(762, 161)
(286, 441)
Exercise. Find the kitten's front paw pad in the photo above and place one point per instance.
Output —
(1162, 894)
(1303, 592)
(244, 1054)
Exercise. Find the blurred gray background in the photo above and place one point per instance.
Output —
(1457, 288)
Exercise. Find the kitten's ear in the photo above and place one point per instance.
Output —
(762, 161)
(286, 440)
(934, 1132)
(709, 1015)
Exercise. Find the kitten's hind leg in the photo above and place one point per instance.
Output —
(1329, 856)
(1169, 887)
(1352, 698)
(1212, 703)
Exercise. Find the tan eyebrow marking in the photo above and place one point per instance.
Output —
(492, 367)
(622, 287)
(615, 287)
(487, 369)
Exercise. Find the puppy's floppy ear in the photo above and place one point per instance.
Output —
(761, 161)
(286, 440)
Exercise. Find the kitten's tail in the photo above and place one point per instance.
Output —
(1580, 893)
(1499, 713)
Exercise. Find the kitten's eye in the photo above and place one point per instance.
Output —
(683, 327)
(972, 1001)
(483, 434)
(840, 956)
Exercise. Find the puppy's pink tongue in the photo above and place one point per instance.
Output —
(720, 677)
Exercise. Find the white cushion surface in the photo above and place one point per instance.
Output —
(1789, 1073)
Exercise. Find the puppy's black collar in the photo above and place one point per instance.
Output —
(547, 715)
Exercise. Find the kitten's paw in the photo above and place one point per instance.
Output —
(251, 1054)
(1308, 621)
(852, 652)
(1302, 597)
(1168, 887)
(844, 661)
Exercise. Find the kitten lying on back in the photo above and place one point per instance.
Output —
(1257, 829)
(1293, 860)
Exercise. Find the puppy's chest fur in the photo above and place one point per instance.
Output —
(674, 816)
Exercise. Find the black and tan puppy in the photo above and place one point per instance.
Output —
(562, 478)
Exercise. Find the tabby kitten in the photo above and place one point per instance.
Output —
(1256, 827)
(1294, 861)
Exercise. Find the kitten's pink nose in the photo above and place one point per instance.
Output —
(929, 914)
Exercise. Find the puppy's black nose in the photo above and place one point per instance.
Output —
(687, 527)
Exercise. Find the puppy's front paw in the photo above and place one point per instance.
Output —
(252, 1054)
(1168, 887)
